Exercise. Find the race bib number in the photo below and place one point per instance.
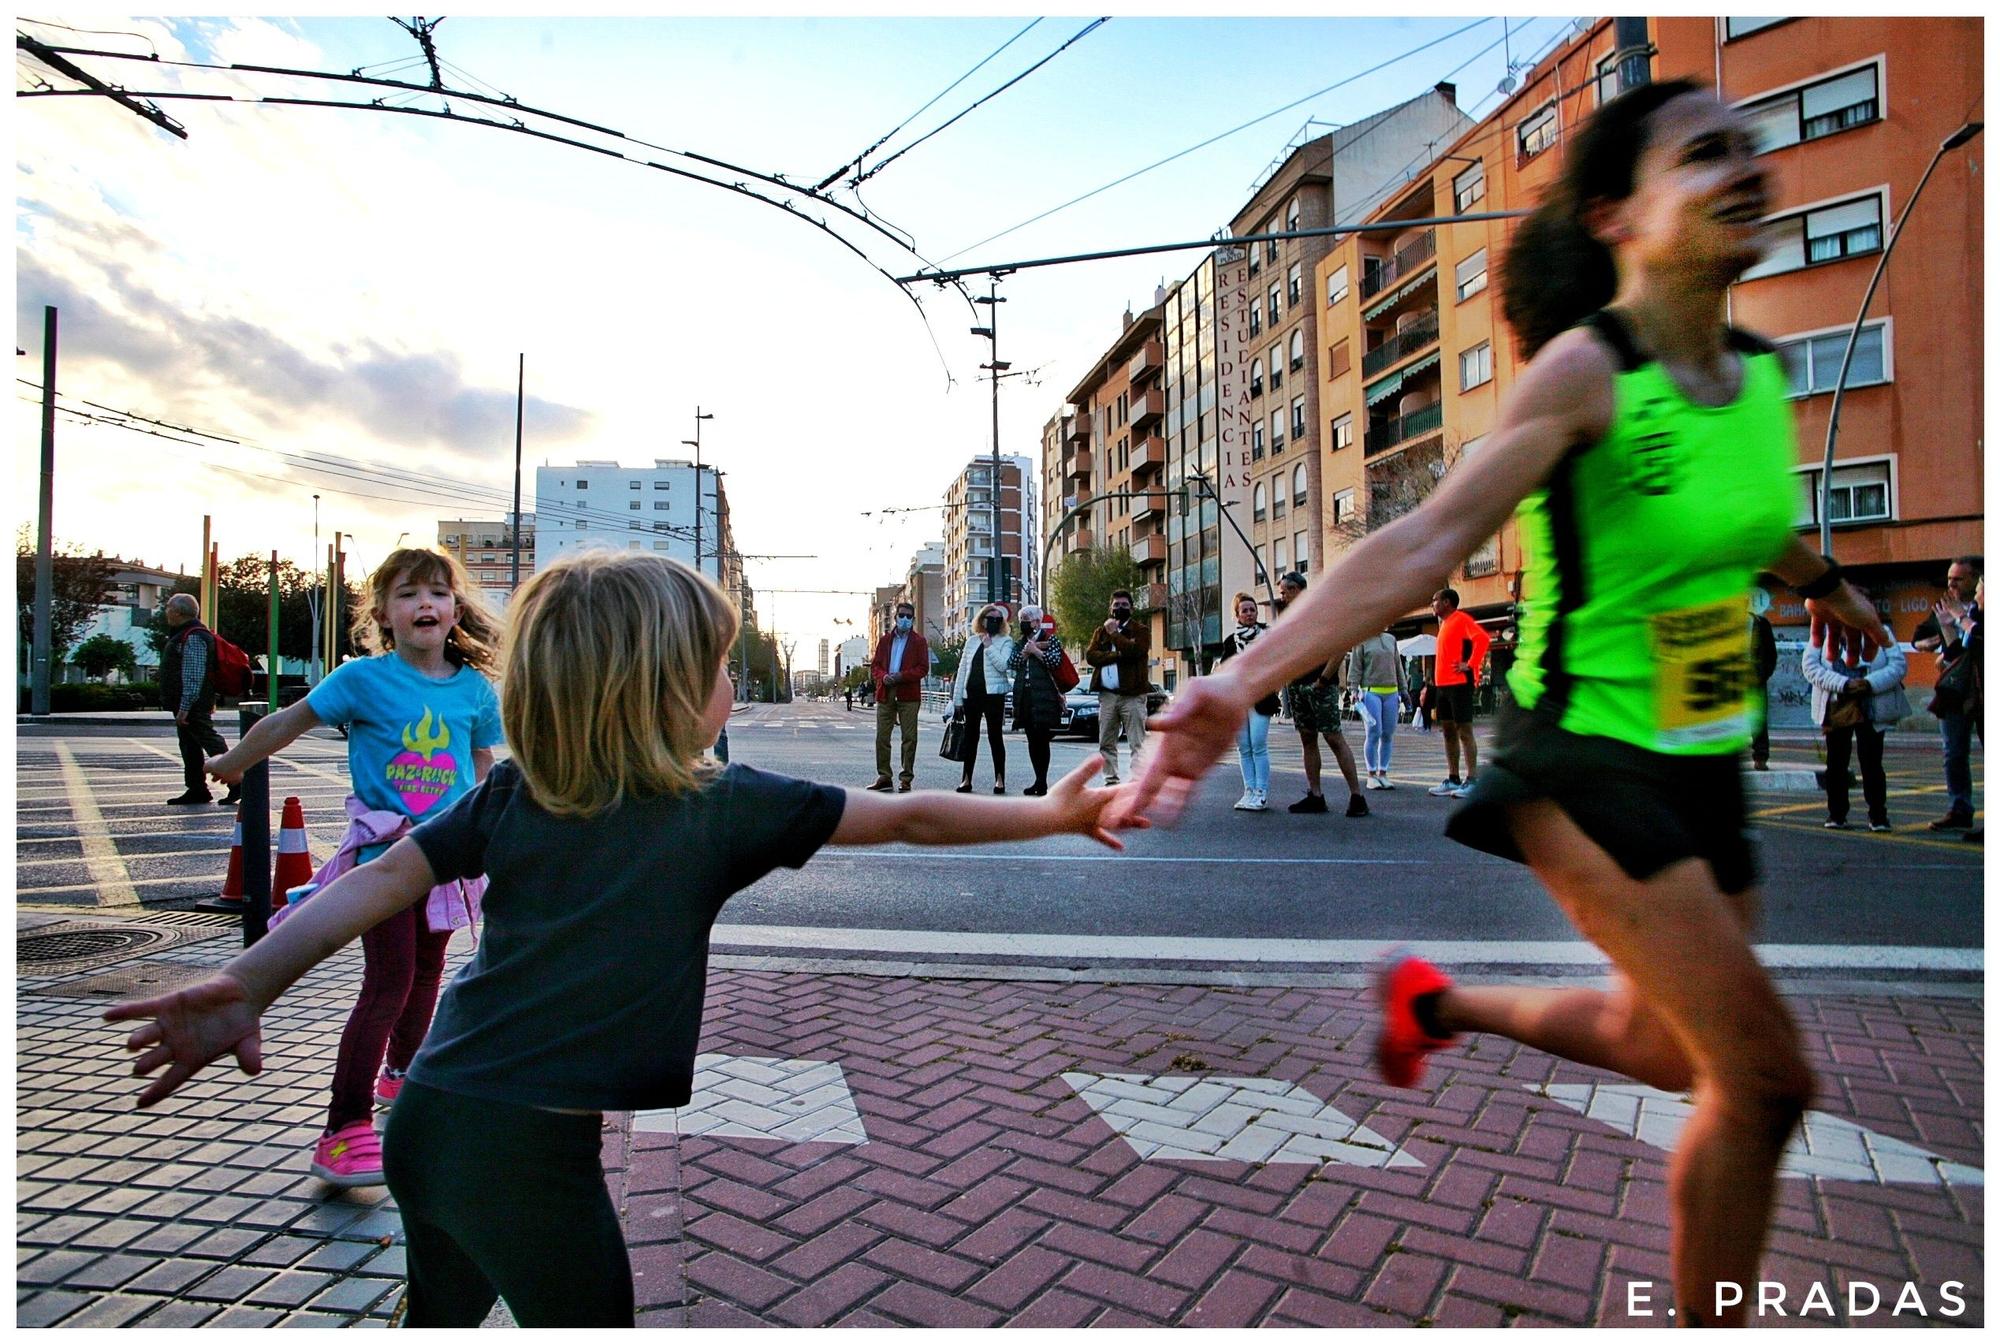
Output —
(1701, 679)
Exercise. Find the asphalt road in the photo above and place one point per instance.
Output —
(91, 832)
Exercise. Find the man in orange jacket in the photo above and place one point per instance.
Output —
(1461, 650)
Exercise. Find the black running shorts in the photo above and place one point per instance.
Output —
(1452, 704)
(1644, 808)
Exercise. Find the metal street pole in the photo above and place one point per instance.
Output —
(520, 398)
(1951, 142)
(695, 443)
(994, 590)
(316, 599)
(45, 563)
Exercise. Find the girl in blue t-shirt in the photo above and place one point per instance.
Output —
(612, 841)
(421, 723)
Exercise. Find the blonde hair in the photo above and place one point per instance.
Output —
(474, 641)
(611, 659)
(1240, 599)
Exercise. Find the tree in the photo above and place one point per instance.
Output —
(101, 655)
(1397, 485)
(82, 585)
(245, 590)
(945, 655)
(1081, 587)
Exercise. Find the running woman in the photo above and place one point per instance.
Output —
(422, 723)
(612, 841)
(1649, 449)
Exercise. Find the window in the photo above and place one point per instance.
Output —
(1256, 319)
(1336, 284)
(1300, 548)
(1276, 361)
(1537, 131)
(634, 504)
(661, 485)
(1256, 377)
(1298, 417)
(583, 485)
(1735, 27)
(1298, 359)
(1343, 506)
(1813, 362)
(1341, 434)
(1295, 283)
(1277, 496)
(634, 545)
(1255, 264)
(1816, 110)
(1292, 216)
(1338, 360)
(1860, 495)
(659, 545)
(659, 527)
(1277, 430)
(1475, 366)
(1257, 441)
(1279, 555)
(1813, 237)
(633, 484)
(1605, 87)
(1258, 551)
(1471, 275)
(1272, 296)
(1299, 484)
(1257, 503)
(1270, 248)
(1469, 187)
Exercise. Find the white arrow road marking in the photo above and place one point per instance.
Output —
(1825, 1146)
(754, 1097)
(1205, 1118)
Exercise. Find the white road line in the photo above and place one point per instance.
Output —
(1338, 951)
(214, 879)
(109, 880)
(278, 760)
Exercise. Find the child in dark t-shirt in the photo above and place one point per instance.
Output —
(610, 843)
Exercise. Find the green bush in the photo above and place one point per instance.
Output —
(72, 697)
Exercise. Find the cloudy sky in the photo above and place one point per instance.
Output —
(345, 292)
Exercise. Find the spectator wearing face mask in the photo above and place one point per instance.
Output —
(1118, 653)
(902, 658)
(985, 675)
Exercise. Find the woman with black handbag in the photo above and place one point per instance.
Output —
(1855, 703)
(979, 692)
(1038, 700)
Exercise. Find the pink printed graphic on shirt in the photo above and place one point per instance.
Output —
(427, 770)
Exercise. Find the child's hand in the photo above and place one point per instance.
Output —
(1083, 809)
(223, 769)
(190, 1028)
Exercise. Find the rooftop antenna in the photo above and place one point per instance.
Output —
(1507, 51)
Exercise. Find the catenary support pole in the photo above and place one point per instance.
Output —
(45, 561)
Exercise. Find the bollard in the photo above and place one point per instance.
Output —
(256, 834)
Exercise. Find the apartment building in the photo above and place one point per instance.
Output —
(1114, 460)
(971, 548)
(485, 546)
(1849, 113)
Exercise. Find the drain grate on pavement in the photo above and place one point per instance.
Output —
(153, 978)
(68, 946)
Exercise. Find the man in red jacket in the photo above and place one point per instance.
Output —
(1461, 649)
(902, 661)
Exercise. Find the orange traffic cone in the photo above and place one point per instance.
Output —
(231, 899)
(295, 866)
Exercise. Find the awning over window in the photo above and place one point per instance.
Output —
(1388, 387)
(1395, 296)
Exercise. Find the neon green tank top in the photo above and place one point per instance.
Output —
(1641, 550)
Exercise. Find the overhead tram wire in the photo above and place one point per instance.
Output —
(1087, 30)
(855, 162)
(1096, 191)
(777, 180)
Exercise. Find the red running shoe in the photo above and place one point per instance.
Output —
(1402, 1044)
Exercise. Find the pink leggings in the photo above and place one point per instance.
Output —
(399, 985)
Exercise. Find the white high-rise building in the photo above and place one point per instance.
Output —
(602, 504)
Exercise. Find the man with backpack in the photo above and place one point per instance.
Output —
(187, 687)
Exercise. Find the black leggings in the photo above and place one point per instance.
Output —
(500, 1200)
(1038, 752)
(981, 704)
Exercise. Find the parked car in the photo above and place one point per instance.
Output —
(1080, 711)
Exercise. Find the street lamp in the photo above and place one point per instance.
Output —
(314, 594)
(1951, 142)
(991, 331)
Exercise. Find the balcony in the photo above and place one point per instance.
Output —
(1148, 407)
(1386, 434)
(1079, 466)
(1081, 540)
(1402, 265)
(1150, 550)
(1150, 451)
(1150, 506)
(1416, 337)
(1152, 598)
(1078, 430)
(1149, 359)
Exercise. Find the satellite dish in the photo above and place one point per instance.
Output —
(1507, 82)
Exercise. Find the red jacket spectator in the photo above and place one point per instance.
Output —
(907, 683)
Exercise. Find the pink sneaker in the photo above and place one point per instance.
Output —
(350, 1156)
(389, 1086)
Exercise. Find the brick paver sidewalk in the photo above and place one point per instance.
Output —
(896, 1151)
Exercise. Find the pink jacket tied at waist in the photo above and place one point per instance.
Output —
(451, 905)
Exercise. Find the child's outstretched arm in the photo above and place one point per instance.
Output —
(192, 1027)
(271, 735)
(952, 819)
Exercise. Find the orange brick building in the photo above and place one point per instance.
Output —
(1850, 112)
